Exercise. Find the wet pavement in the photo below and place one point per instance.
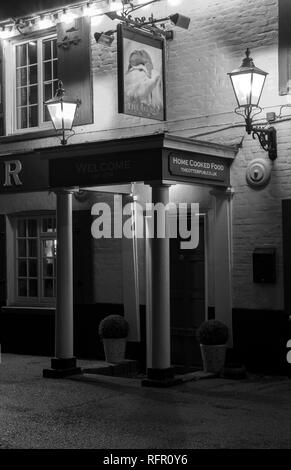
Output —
(103, 412)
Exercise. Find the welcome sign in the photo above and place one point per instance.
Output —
(118, 167)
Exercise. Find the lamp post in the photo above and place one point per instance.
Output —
(62, 112)
(248, 82)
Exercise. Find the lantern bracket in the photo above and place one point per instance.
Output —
(267, 135)
(268, 140)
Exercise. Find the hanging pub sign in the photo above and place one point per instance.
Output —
(141, 74)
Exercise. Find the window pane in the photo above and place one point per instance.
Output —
(48, 224)
(32, 268)
(47, 71)
(32, 74)
(21, 55)
(22, 287)
(48, 288)
(21, 96)
(46, 115)
(21, 118)
(22, 248)
(21, 228)
(32, 285)
(33, 116)
(55, 69)
(32, 52)
(49, 248)
(47, 50)
(48, 91)
(32, 95)
(48, 267)
(32, 248)
(54, 41)
(22, 268)
(21, 77)
(55, 85)
(32, 228)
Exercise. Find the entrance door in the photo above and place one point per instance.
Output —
(187, 281)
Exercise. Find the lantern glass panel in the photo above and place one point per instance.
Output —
(62, 114)
(55, 114)
(258, 84)
(69, 110)
(242, 84)
(248, 88)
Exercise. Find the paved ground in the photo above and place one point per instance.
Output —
(117, 413)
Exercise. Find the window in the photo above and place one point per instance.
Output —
(35, 254)
(36, 70)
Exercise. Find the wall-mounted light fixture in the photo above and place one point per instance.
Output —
(67, 16)
(62, 112)
(45, 22)
(151, 24)
(47, 19)
(106, 38)
(248, 83)
(7, 32)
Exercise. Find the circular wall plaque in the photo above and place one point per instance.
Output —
(258, 173)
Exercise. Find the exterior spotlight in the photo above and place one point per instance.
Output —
(248, 83)
(62, 112)
(92, 10)
(6, 33)
(180, 20)
(116, 5)
(67, 16)
(112, 15)
(45, 22)
(104, 38)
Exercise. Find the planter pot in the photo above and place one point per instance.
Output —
(213, 357)
(114, 349)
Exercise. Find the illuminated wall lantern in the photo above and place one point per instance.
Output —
(62, 112)
(248, 82)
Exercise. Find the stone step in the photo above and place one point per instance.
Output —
(126, 368)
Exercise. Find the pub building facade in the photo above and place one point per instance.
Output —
(239, 272)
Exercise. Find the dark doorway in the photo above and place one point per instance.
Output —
(187, 284)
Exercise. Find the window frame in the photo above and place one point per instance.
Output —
(10, 83)
(13, 299)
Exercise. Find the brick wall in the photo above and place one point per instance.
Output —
(199, 100)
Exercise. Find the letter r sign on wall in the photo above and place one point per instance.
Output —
(12, 173)
(26, 173)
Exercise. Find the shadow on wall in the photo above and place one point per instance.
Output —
(33, 332)
(231, 23)
(260, 338)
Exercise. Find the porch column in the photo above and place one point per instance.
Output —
(130, 277)
(223, 258)
(64, 362)
(159, 371)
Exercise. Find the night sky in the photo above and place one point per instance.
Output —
(18, 8)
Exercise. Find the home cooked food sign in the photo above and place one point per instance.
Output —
(199, 166)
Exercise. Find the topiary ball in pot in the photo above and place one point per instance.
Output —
(212, 336)
(212, 332)
(113, 330)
